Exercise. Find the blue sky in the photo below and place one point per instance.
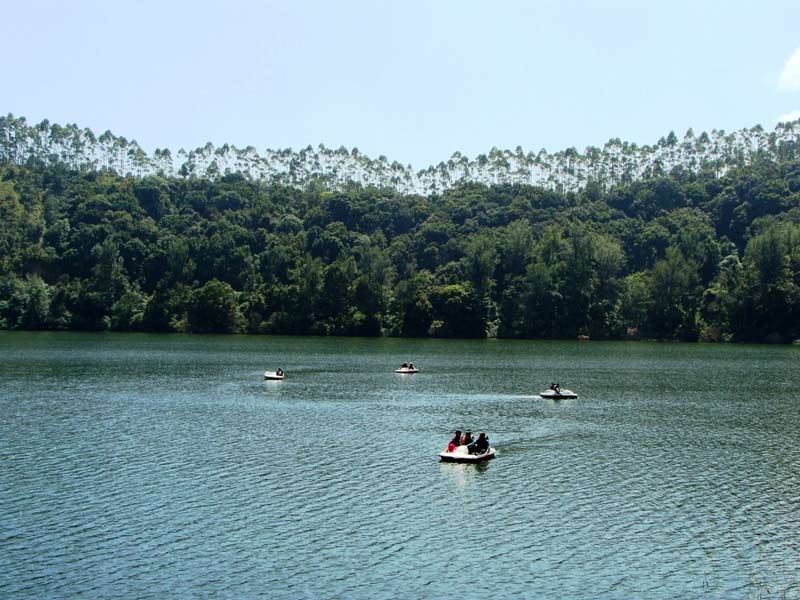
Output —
(414, 81)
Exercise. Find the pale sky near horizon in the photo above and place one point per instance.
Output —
(414, 81)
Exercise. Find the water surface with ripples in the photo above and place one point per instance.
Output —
(164, 466)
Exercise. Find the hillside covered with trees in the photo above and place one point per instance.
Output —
(689, 255)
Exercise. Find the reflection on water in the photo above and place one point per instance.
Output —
(139, 466)
(462, 475)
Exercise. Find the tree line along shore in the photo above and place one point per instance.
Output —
(679, 256)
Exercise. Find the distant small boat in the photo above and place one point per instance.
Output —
(407, 369)
(275, 375)
(559, 394)
(462, 455)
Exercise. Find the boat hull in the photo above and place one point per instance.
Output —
(406, 371)
(564, 395)
(272, 376)
(464, 457)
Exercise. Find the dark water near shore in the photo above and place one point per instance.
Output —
(139, 466)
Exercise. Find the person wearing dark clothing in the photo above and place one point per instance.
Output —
(466, 440)
(479, 446)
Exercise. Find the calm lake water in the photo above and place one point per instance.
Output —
(157, 466)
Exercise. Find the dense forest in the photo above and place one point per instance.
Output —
(685, 256)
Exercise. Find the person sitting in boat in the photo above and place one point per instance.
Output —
(479, 446)
(455, 442)
(411, 366)
(404, 366)
(466, 439)
(279, 372)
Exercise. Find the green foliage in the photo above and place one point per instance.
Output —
(675, 296)
(769, 306)
(213, 308)
(24, 303)
(673, 257)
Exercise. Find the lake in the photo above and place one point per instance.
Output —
(164, 466)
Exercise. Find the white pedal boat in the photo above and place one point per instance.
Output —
(462, 455)
(274, 375)
(558, 395)
(407, 370)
